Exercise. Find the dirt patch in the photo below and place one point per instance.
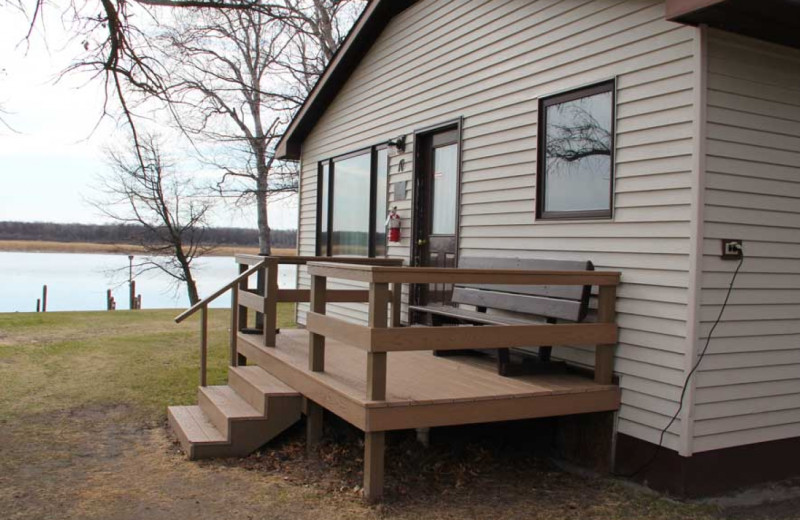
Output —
(92, 462)
(101, 462)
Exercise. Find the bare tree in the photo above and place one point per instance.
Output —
(232, 86)
(154, 196)
(316, 29)
(289, 40)
(221, 95)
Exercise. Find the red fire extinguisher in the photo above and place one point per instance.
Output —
(393, 223)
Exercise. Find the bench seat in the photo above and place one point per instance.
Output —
(458, 313)
(543, 303)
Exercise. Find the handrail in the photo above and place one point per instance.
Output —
(205, 301)
(250, 259)
(390, 274)
(264, 301)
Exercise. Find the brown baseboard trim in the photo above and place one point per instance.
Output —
(708, 473)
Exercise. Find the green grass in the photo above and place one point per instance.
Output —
(63, 360)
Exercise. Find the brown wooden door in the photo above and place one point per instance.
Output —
(436, 208)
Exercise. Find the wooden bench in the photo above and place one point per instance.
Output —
(548, 303)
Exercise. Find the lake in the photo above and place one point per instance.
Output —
(78, 282)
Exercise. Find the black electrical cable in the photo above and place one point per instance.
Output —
(657, 449)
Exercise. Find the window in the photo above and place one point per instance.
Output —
(352, 204)
(381, 200)
(576, 154)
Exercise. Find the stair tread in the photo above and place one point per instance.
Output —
(196, 426)
(264, 381)
(231, 404)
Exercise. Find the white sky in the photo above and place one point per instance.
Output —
(48, 169)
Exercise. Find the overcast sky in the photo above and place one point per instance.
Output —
(49, 167)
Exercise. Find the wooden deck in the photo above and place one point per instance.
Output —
(423, 390)
(381, 376)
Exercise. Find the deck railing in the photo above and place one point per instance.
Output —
(264, 298)
(382, 334)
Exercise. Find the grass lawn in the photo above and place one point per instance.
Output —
(82, 435)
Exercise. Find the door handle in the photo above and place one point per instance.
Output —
(421, 242)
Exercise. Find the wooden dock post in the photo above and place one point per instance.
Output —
(44, 298)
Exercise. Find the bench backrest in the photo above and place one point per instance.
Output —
(564, 302)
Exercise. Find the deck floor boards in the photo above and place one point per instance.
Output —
(418, 380)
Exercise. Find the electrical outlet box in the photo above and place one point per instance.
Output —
(732, 249)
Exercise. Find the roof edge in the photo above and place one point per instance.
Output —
(359, 40)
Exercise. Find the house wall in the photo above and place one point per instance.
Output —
(748, 385)
(489, 62)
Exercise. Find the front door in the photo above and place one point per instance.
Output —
(436, 208)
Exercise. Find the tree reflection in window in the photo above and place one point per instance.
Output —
(575, 179)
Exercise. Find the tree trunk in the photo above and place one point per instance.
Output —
(264, 247)
(191, 288)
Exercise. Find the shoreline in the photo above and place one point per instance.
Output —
(41, 246)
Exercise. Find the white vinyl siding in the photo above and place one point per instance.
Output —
(748, 386)
(489, 62)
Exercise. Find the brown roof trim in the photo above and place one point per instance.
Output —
(776, 21)
(678, 8)
(366, 30)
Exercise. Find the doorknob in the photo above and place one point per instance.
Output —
(421, 242)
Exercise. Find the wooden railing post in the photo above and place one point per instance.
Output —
(242, 286)
(203, 345)
(316, 342)
(604, 354)
(270, 302)
(397, 299)
(376, 361)
(234, 358)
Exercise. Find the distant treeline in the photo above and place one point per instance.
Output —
(129, 234)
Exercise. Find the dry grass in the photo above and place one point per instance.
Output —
(39, 246)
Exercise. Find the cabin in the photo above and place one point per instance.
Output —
(456, 148)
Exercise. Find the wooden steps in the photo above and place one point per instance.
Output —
(236, 419)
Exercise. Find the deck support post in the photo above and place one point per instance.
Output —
(376, 361)
(374, 450)
(316, 342)
(270, 303)
(604, 354)
(313, 425)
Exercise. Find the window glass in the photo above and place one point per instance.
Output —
(381, 210)
(323, 219)
(351, 191)
(445, 183)
(578, 154)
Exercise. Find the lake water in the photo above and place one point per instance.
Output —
(78, 282)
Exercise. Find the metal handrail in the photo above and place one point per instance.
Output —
(206, 301)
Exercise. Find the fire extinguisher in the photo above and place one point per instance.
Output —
(393, 223)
